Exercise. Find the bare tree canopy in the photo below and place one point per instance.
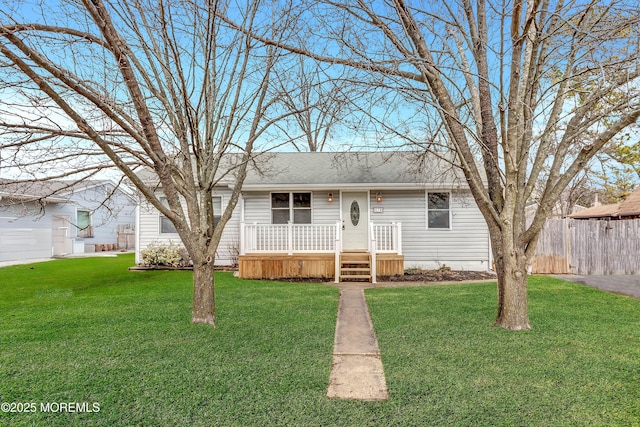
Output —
(165, 87)
(319, 102)
(531, 88)
(524, 93)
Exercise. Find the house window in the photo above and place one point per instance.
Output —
(83, 222)
(438, 210)
(217, 209)
(167, 227)
(294, 207)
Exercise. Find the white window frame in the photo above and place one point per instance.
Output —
(291, 207)
(218, 214)
(163, 200)
(160, 216)
(79, 231)
(427, 210)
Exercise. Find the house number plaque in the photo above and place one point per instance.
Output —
(355, 213)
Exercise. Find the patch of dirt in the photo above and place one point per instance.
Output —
(440, 275)
(415, 275)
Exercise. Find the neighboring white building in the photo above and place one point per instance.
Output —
(302, 212)
(45, 219)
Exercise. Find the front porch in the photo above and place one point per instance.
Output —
(276, 251)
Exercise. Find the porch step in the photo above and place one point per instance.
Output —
(355, 266)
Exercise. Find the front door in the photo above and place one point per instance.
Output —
(355, 221)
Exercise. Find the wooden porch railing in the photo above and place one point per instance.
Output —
(316, 238)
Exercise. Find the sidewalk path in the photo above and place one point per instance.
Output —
(357, 371)
(619, 284)
(82, 255)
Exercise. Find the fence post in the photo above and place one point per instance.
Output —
(567, 243)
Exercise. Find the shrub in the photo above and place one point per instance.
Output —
(165, 255)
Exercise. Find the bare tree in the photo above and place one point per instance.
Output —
(514, 84)
(163, 87)
(317, 100)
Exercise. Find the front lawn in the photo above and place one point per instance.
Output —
(89, 331)
(579, 365)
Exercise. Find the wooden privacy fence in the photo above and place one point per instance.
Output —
(570, 246)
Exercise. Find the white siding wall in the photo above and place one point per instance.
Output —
(24, 237)
(149, 231)
(464, 246)
(257, 208)
(229, 247)
(106, 215)
(325, 212)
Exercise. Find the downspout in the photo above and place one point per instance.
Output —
(490, 254)
(137, 252)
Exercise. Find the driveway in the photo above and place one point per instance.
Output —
(625, 285)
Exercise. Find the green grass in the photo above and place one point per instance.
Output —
(579, 365)
(88, 330)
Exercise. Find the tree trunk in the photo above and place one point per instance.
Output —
(203, 293)
(511, 267)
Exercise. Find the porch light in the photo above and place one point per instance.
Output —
(378, 197)
(330, 197)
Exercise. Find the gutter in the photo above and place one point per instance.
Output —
(33, 198)
(352, 186)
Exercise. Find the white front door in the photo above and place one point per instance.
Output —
(355, 220)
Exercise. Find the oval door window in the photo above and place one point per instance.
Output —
(355, 213)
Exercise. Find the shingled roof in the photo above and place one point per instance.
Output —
(51, 191)
(292, 170)
(344, 169)
(630, 208)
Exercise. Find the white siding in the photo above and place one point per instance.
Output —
(25, 231)
(257, 208)
(229, 247)
(106, 215)
(23, 237)
(464, 246)
(325, 212)
(149, 231)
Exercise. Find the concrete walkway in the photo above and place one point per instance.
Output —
(357, 371)
(82, 255)
(620, 284)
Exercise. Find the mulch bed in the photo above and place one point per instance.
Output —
(412, 275)
(423, 276)
(438, 276)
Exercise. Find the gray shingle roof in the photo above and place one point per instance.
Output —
(351, 168)
(292, 170)
(52, 191)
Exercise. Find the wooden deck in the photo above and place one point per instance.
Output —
(322, 265)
